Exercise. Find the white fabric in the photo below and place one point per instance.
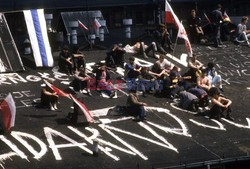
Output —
(34, 39)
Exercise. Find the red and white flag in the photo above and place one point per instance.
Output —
(170, 17)
(96, 24)
(183, 34)
(84, 109)
(7, 113)
(57, 90)
(82, 26)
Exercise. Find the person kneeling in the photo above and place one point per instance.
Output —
(135, 107)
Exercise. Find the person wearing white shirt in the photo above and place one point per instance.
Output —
(164, 63)
(243, 35)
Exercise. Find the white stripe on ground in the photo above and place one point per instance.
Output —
(221, 127)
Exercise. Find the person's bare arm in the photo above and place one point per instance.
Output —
(216, 102)
(227, 101)
(198, 64)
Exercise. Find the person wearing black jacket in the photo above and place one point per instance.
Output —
(65, 61)
(217, 19)
(194, 27)
(115, 57)
(162, 39)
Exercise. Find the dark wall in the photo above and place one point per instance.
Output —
(13, 5)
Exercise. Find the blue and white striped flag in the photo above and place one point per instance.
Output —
(36, 26)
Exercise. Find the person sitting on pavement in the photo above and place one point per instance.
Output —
(65, 61)
(143, 49)
(194, 68)
(177, 78)
(49, 98)
(164, 63)
(102, 79)
(243, 35)
(162, 39)
(132, 70)
(148, 81)
(135, 107)
(78, 59)
(220, 104)
(203, 81)
(213, 76)
(163, 78)
(115, 56)
(81, 81)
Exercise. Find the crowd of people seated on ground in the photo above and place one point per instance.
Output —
(194, 88)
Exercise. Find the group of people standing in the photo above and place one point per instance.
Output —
(218, 23)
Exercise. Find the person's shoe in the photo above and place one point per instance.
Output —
(112, 95)
(230, 118)
(218, 46)
(89, 93)
(52, 108)
(221, 90)
(55, 107)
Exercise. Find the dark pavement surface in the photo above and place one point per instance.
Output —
(168, 137)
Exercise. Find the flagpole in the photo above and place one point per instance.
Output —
(176, 41)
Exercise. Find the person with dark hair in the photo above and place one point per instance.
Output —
(213, 76)
(115, 56)
(243, 35)
(148, 81)
(81, 81)
(78, 59)
(203, 81)
(132, 70)
(164, 63)
(219, 105)
(65, 61)
(103, 80)
(217, 19)
(49, 98)
(135, 107)
(194, 68)
(194, 27)
(162, 39)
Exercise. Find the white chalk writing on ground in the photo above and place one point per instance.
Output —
(106, 146)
